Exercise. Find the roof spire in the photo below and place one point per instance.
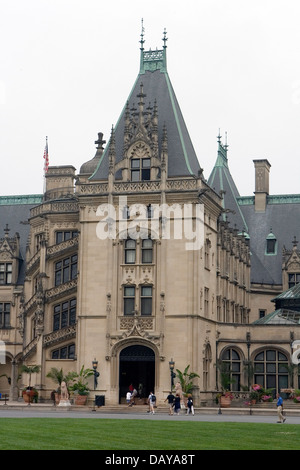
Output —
(165, 38)
(142, 36)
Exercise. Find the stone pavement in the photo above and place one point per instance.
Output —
(237, 414)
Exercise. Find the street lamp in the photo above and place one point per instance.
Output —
(96, 373)
(173, 375)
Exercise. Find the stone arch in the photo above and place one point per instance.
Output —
(130, 366)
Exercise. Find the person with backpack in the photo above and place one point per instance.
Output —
(151, 400)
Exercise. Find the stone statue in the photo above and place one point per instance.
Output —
(64, 395)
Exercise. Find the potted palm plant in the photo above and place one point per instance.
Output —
(80, 387)
(29, 393)
(186, 381)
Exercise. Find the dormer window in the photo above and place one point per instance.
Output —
(140, 169)
(271, 244)
(5, 273)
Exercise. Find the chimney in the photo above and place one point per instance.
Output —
(262, 170)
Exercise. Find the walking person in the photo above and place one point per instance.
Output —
(151, 400)
(177, 404)
(170, 398)
(280, 409)
(128, 397)
(190, 405)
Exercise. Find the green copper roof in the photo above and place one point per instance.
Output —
(153, 60)
(292, 293)
(26, 199)
(280, 316)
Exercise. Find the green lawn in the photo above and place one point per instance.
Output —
(114, 434)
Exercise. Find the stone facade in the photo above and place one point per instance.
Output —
(136, 261)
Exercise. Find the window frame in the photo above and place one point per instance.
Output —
(146, 300)
(64, 314)
(65, 272)
(129, 250)
(6, 273)
(5, 311)
(141, 168)
(128, 300)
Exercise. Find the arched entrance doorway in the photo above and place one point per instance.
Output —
(137, 367)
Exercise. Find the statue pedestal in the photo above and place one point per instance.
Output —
(64, 403)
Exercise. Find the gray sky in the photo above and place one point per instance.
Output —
(68, 66)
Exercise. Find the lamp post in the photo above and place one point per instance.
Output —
(171, 366)
(96, 373)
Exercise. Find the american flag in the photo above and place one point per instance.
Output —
(46, 157)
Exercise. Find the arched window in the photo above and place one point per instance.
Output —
(147, 250)
(231, 359)
(130, 251)
(270, 370)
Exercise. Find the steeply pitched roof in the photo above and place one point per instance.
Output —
(14, 213)
(153, 75)
(222, 182)
(282, 217)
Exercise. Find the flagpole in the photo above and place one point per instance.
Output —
(46, 163)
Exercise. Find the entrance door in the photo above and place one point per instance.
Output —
(137, 367)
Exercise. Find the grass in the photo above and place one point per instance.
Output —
(114, 434)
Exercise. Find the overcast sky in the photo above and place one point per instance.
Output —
(67, 68)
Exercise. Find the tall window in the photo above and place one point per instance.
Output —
(140, 169)
(64, 314)
(206, 301)
(147, 250)
(129, 300)
(270, 369)
(232, 360)
(66, 270)
(206, 367)
(130, 251)
(146, 300)
(5, 273)
(38, 240)
(4, 315)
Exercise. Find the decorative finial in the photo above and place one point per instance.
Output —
(6, 230)
(100, 141)
(226, 145)
(165, 38)
(219, 137)
(142, 35)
